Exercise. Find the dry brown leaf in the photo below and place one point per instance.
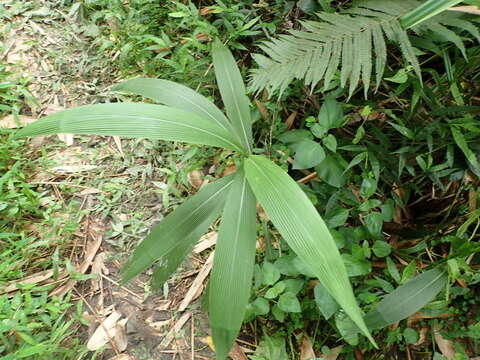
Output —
(261, 212)
(475, 10)
(262, 109)
(422, 336)
(120, 337)
(205, 11)
(230, 169)
(99, 268)
(89, 191)
(163, 305)
(237, 353)
(306, 349)
(100, 337)
(9, 122)
(445, 346)
(290, 120)
(333, 353)
(195, 178)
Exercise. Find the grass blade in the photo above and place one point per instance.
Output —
(175, 95)
(232, 90)
(407, 299)
(134, 120)
(298, 221)
(183, 226)
(232, 271)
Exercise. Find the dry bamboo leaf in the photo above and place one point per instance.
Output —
(174, 330)
(197, 283)
(206, 242)
(89, 191)
(445, 346)
(104, 332)
(120, 337)
(118, 142)
(31, 279)
(164, 305)
(66, 138)
(306, 349)
(98, 267)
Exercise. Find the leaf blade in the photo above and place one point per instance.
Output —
(135, 120)
(232, 271)
(232, 90)
(298, 221)
(175, 95)
(406, 299)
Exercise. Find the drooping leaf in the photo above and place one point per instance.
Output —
(301, 226)
(134, 120)
(181, 228)
(232, 90)
(407, 299)
(175, 95)
(232, 271)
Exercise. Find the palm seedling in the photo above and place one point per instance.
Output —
(189, 117)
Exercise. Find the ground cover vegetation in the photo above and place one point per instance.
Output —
(393, 169)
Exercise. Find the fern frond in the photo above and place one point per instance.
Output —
(352, 42)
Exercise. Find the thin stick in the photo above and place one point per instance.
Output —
(192, 338)
(122, 287)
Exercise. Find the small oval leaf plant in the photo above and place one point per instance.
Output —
(189, 117)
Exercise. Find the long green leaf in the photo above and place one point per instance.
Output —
(425, 11)
(171, 260)
(298, 221)
(175, 95)
(232, 271)
(407, 299)
(134, 120)
(232, 90)
(180, 228)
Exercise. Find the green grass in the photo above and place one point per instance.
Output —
(32, 240)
